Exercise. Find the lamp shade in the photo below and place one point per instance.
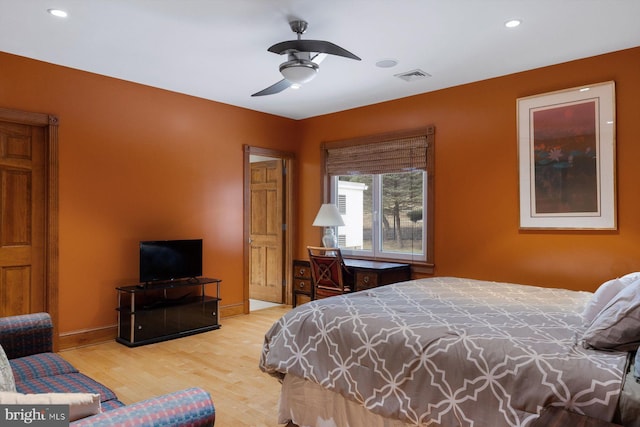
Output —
(328, 216)
(299, 71)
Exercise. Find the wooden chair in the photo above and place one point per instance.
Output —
(329, 275)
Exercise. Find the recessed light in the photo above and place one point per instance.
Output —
(386, 63)
(584, 89)
(296, 86)
(58, 12)
(512, 23)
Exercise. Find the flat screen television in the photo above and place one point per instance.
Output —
(164, 260)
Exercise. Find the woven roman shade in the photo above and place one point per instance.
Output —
(392, 156)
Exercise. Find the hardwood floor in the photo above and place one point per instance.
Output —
(223, 362)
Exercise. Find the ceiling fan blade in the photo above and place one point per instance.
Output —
(274, 88)
(319, 46)
(319, 57)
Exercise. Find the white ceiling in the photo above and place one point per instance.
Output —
(217, 49)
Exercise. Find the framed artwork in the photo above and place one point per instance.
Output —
(566, 156)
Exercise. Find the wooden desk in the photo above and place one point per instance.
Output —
(367, 275)
(370, 274)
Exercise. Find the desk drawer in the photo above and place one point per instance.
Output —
(366, 280)
(302, 285)
(301, 270)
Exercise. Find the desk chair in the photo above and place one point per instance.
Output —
(329, 275)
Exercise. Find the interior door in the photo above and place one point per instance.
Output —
(22, 219)
(265, 254)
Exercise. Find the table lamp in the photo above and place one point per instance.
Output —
(328, 217)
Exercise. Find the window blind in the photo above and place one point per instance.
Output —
(391, 156)
(342, 206)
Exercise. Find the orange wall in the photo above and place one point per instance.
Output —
(142, 163)
(139, 163)
(476, 178)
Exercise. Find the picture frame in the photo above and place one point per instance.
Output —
(566, 159)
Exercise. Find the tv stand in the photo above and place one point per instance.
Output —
(153, 312)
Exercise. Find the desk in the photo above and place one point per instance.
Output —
(367, 274)
(370, 274)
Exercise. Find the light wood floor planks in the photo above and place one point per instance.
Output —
(223, 362)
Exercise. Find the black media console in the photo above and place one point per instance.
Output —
(149, 313)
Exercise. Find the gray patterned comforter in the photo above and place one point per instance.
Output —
(449, 352)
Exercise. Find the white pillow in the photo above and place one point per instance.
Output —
(80, 404)
(601, 298)
(7, 382)
(617, 326)
(628, 279)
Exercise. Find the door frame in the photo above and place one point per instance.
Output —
(50, 125)
(289, 218)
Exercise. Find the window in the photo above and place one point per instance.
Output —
(383, 187)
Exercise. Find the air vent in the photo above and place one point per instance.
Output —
(413, 75)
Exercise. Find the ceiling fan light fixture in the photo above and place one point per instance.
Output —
(299, 71)
(304, 59)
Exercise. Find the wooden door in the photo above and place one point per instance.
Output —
(265, 253)
(23, 284)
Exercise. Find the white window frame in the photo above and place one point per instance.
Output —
(377, 227)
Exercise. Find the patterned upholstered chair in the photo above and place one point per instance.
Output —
(329, 275)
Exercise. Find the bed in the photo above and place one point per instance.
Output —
(452, 352)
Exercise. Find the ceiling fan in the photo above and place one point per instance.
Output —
(304, 57)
